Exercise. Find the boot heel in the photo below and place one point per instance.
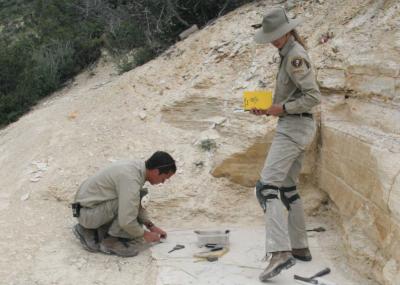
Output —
(290, 263)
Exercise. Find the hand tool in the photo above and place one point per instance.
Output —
(217, 252)
(311, 279)
(177, 247)
(256, 26)
(211, 249)
(212, 258)
(320, 281)
(208, 258)
(319, 229)
(239, 110)
(213, 245)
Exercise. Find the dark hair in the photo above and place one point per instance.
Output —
(298, 38)
(162, 161)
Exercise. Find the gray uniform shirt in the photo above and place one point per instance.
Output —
(296, 86)
(123, 181)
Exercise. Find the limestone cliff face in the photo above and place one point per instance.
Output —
(359, 156)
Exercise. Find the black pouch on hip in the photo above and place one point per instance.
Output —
(76, 209)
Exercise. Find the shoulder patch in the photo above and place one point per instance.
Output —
(297, 62)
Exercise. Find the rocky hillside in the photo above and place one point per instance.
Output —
(183, 102)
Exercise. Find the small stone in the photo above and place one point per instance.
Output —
(199, 164)
(218, 120)
(188, 32)
(25, 196)
(36, 177)
(72, 115)
(142, 115)
(41, 166)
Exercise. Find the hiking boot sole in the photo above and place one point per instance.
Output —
(302, 254)
(302, 258)
(286, 265)
(76, 232)
(106, 250)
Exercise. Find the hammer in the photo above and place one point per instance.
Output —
(311, 279)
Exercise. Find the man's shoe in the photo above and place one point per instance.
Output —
(118, 246)
(87, 237)
(102, 232)
(302, 254)
(280, 260)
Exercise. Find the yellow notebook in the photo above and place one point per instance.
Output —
(259, 99)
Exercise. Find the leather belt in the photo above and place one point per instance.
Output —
(302, 115)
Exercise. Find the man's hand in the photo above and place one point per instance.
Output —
(151, 236)
(159, 231)
(274, 110)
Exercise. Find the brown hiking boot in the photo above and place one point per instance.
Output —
(87, 237)
(118, 246)
(303, 254)
(280, 260)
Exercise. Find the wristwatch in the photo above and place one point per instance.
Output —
(149, 225)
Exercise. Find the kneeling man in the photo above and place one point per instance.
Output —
(109, 205)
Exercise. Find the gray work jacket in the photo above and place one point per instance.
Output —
(121, 180)
(296, 86)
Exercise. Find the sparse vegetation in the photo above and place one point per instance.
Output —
(208, 144)
(43, 43)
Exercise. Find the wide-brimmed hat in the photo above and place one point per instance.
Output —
(275, 24)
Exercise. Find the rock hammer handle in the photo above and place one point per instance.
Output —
(321, 273)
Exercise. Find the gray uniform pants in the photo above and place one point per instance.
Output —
(286, 230)
(104, 213)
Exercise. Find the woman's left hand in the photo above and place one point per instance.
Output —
(258, 112)
(275, 110)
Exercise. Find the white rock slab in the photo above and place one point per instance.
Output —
(241, 265)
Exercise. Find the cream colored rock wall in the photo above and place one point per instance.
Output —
(359, 158)
(362, 179)
(359, 155)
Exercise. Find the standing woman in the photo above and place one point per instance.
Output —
(296, 92)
